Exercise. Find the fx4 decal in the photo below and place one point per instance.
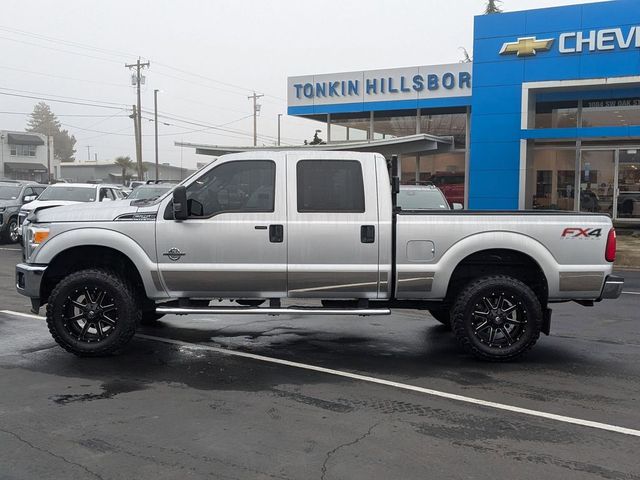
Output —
(577, 232)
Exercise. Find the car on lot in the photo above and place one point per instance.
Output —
(14, 194)
(150, 191)
(424, 197)
(60, 194)
(266, 226)
(451, 184)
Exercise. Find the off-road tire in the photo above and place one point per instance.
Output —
(442, 315)
(127, 312)
(6, 235)
(527, 305)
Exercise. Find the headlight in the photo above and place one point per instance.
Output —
(2, 209)
(38, 234)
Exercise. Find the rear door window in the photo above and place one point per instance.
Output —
(330, 186)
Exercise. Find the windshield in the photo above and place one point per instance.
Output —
(9, 192)
(419, 199)
(74, 194)
(148, 192)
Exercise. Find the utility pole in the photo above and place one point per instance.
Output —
(256, 109)
(88, 153)
(155, 124)
(279, 117)
(134, 116)
(49, 154)
(138, 66)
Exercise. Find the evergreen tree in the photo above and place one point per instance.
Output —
(44, 121)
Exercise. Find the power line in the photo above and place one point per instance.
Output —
(59, 49)
(119, 105)
(63, 77)
(60, 101)
(65, 42)
(67, 114)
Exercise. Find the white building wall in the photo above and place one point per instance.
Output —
(39, 159)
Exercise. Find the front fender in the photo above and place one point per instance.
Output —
(101, 237)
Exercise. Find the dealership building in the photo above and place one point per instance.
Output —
(547, 116)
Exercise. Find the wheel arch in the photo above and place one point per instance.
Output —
(92, 247)
(497, 253)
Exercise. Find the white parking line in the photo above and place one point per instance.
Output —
(380, 381)
(11, 249)
(632, 293)
(402, 386)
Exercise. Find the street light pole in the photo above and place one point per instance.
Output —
(155, 121)
(279, 117)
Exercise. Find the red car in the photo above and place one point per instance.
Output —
(451, 184)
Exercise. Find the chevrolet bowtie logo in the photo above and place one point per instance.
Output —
(526, 47)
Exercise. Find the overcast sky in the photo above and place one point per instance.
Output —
(206, 57)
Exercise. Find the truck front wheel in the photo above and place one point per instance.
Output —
(497, 318)
(92, 313)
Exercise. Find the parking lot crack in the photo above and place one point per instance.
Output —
(332, 452)
(48, 452)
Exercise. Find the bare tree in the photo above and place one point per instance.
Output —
(493, 7)
(466, 58)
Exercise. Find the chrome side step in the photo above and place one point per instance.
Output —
(273, 311)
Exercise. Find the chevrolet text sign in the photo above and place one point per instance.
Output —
(577, 42)
(413, 83)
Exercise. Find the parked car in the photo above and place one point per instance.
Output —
(265, 226)
(61, 194)
(150, 191)
(451, 184)
(424, 197)
(13, 195)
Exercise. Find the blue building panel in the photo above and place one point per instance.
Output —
(574, 43)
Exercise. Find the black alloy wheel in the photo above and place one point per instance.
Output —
(497, 318)
(90, 315)
(93, 312)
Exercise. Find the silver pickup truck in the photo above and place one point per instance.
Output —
(262, 227)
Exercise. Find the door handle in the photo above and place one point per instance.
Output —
(276, 233)
(367, 234)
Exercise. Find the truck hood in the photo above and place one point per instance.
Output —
(86, 212)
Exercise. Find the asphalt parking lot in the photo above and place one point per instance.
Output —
(183, 402)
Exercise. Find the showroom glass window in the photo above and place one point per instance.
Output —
(618, 112)
(243, 186)
(556, 114)
(551, 178)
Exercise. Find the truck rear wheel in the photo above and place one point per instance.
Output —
(497, 318)
(92, 313)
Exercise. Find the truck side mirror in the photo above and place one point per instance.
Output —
(29, 198)
(180, 210)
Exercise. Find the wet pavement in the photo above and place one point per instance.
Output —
(174, 410)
